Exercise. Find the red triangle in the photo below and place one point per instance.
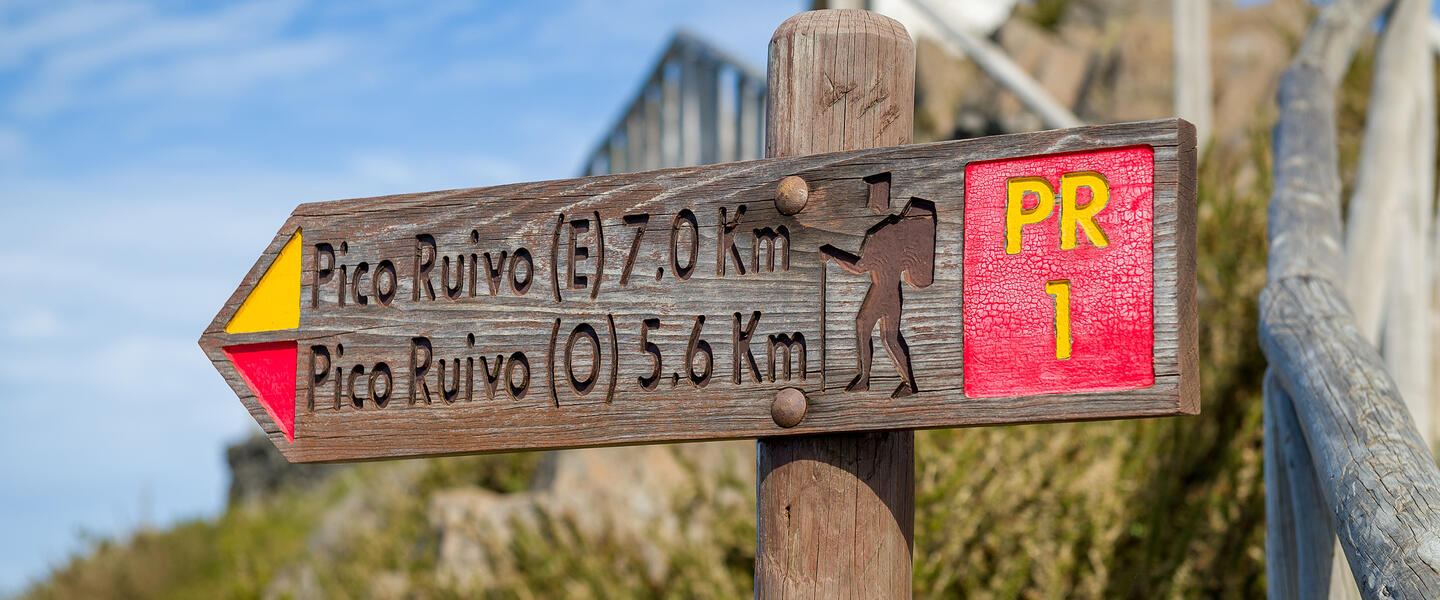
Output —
(269, 370)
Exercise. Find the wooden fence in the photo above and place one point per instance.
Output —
(1350, 315)
(1344, 459)
(698, 106)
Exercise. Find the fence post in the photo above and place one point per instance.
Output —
(1302, 556)
(836, 513)
(1194, 100)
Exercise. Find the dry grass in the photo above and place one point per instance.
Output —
(1170, 508)
(1135, 509)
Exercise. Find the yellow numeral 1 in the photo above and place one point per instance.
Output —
(1061, 291)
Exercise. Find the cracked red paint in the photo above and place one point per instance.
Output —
(1009, 319)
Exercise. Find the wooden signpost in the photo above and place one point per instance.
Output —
(1013, 279)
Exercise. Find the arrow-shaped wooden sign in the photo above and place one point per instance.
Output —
(1022, 278)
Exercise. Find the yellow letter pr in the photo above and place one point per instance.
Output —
(1070, 215)
(1015, 214)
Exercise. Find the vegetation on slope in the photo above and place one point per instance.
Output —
(1138, 509)
(1168, 508)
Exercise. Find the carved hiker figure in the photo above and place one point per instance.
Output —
(899, 245)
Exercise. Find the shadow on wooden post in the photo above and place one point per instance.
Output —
(836, 513)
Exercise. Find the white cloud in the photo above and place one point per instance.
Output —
(12, 144)
(241, 24)
(387, 171)
(34, 323)
(60, 26)
(81, 59)
(229, 73)
(393, 174)
(489, 71)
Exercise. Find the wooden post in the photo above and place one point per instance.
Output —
(1303, 559)
(1376, 204)
(1194, 100)
(1377, 479)
(1405, 341)
(836, 513)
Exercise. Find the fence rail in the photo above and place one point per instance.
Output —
(1345, 466)
(1343, 456)
(698, 106)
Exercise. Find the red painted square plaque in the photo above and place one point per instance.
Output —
(1059, 273)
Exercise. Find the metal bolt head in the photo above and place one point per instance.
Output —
(789, 406)
(791, 195)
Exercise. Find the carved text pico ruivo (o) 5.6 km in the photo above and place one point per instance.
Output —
(1022, 278)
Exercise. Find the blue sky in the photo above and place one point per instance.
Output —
(148, 152)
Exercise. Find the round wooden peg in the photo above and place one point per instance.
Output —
(791, 195)
(789, 407)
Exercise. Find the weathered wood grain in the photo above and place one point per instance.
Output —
(1304, 214)
(1329, 44)
(835, 514)
(1377, 480)
(1382, 487)
(1300, 541)
(1283, 562)
(526, 215)
(619, 411)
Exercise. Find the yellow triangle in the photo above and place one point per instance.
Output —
(275, 301)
